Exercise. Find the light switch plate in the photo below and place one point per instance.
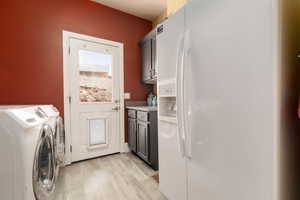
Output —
(127, 96)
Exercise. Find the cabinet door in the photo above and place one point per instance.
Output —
(142, 140)
(132, 134)
(154, 71)
(146, 61)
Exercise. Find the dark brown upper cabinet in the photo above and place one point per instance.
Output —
(148, 52)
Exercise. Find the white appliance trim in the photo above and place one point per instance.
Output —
(67, 120)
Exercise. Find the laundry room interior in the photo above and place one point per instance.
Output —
(150, 100)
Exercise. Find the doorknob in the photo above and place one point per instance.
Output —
(116, 108)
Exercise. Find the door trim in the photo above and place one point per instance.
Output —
(67, 36)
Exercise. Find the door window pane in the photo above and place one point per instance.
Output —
(96, 81)
(97, 132)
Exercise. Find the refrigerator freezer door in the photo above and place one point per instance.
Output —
(230, 86)
(169, 37)
(172, 165)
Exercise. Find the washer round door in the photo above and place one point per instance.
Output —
(44, 171)
(59, 142)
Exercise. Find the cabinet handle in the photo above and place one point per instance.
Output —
(143, 122)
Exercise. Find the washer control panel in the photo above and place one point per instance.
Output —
(27, 117)
(40, 112)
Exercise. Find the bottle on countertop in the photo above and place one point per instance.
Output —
(149, 99)
(154, 101)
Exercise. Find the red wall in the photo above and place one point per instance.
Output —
(31, 57)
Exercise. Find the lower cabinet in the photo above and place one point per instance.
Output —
(132, 134)
(143, 136)
(142, 140)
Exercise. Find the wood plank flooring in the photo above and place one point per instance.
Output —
(115, 177)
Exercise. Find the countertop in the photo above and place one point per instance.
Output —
(142, 108)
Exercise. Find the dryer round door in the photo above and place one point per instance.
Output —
(59, 142)
(44, 178)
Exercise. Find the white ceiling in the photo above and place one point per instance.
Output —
(147, 9)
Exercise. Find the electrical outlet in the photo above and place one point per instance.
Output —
(127, 95)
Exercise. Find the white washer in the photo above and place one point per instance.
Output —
(27, 171)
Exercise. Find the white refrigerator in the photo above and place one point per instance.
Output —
(218, 101)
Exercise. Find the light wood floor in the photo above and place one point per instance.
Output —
(115, 177)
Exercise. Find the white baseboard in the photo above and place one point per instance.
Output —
(125, 148)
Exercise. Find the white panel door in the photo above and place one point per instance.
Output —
(230, 96)
(95, 95)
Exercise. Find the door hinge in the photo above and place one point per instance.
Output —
(71, 148)
(69, 50)
(70, 99)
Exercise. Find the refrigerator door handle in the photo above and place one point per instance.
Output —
(185, 66)
(179, 97)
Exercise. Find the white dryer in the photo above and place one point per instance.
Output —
(27, 154)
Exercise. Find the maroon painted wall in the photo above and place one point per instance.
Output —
(31, 56)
